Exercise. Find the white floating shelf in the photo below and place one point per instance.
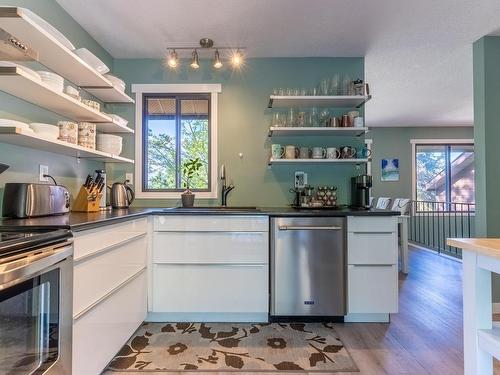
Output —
(15, 81)
(294, 131)
(20, 137)
(110, 95)
(318, 161)
(50, 52)
(57, 57)
(343, 101)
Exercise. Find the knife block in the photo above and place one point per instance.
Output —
(86, 201)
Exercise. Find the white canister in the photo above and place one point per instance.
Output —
(86, 134)
(68, 131)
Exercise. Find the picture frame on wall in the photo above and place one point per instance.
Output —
(390, 169)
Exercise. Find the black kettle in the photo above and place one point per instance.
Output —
(122, 195)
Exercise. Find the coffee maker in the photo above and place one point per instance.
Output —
(360, 191)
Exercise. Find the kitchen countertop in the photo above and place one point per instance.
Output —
(78, 221)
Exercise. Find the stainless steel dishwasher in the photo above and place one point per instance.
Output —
(308, 266)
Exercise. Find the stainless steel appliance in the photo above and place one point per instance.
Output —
(308, 266)
(122, 195)
(22, 200)
(36, 278)
(360, 191)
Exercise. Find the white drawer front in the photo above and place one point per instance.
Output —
(372, 248)
(93, 240)
(211, 223)
(100, 333)
(372, 224)
(213, 247)
(210, 288)
(372, 289)
(94, 277)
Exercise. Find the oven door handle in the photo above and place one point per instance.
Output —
(21, 269)
(309, 227)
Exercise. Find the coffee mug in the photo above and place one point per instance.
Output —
(332, 153)
(277, 151)
(318, 153)
(364, 153)
(304, 153)
(291, 152)
(348, 152)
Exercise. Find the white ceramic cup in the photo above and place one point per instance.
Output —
(304, 152)
(291, 152)
(332, 153)
(318, 153)
(358, 122)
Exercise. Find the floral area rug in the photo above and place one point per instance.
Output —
(230, 347)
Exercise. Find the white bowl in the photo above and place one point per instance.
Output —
(109, 138)
(45, 130)
(92, 60)
(115, 149)
(117, 82)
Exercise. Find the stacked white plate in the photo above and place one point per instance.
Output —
(55, 81)
(7, 123)
(117, 82)
(112, 144)
(45, 130)
(92, 60)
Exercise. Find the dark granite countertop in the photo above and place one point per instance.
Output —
(78, 221)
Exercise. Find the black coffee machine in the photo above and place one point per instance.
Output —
(360, 191)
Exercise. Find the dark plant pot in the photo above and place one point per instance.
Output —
(187, 199)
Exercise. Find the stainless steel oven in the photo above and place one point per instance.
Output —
(36, 280)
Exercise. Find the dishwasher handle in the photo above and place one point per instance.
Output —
(309, 227)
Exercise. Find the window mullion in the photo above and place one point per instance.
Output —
(448, 175)
(178, 178)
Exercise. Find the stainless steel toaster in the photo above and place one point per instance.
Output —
(21, 200)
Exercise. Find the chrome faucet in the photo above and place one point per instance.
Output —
(225, 189)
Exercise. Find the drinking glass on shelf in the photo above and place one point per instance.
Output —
(290, 121)
(313, 91)
(275, 91)
(335, 84)
(296, 92)
(323, 87)
(303, 92)
(301, 117)
(289, 92)
(324, 115)
(346, 84)
(281, 91)
(314, 117)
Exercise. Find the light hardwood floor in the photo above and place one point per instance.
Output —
(424, 338)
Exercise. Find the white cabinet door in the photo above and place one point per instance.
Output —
(102, 331)
(210, 288)
(372, 248)
(211, 223)
(95, 276)
(213, 247)
(372, 289)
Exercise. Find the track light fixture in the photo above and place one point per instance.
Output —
(173, 61)
(195, 64)
(206, 44)
(217, 62)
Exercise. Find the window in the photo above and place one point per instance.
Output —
(177, 123)
(444, 173)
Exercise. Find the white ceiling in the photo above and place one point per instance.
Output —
(418, 54)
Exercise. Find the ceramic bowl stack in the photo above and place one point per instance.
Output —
(86, 134)
(55, 81)
(73, 92)
(117, 82)
(45, 130)
(112, 144)
(68, 131)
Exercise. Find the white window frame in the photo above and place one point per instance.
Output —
(187, 88)
(414, 143)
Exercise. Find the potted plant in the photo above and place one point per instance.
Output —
(189, 170)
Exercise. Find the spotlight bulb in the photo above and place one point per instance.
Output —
(173, 61)
(217, 62)
(237, 59)
(195, 64)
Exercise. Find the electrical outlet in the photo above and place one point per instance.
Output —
(130, 177)
(44, 169)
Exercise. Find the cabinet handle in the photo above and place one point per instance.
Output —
(373, 232)
(371, 265)
(308, 227)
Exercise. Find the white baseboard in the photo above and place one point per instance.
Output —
(496, 308)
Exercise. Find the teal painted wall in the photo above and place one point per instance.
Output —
(24, 161)
(486, 52)
(395, 143)
(243, 123)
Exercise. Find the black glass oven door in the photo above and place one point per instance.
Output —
(29, 325)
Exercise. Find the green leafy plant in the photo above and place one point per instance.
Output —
(190, 169)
